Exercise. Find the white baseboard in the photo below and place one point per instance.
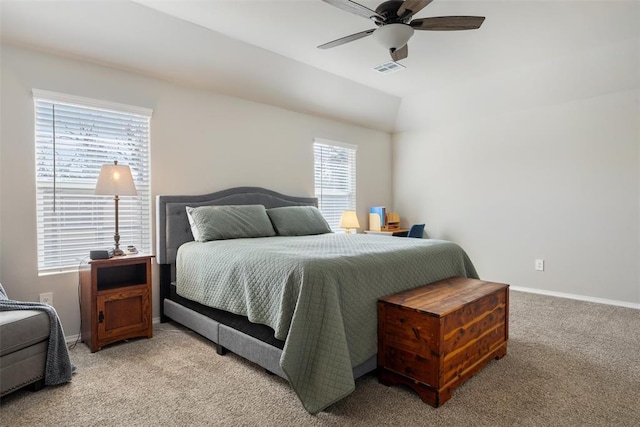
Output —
(70, 339)
(577, 297)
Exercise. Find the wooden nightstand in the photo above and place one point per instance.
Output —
(115, 300)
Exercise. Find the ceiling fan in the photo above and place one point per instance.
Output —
(395, 26)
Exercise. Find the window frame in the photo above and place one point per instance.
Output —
(70, 218)
(332, 209)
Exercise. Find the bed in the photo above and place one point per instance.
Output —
(301, 306)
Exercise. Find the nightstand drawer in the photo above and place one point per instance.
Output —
(122, 312)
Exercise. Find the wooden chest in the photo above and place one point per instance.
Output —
(435, 337)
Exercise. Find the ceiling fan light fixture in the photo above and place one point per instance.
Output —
(396, 25)
(393, 36)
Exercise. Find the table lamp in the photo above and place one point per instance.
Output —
(116, 180)
(349, 221)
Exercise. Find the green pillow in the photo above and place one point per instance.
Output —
(298, 221)
(229, 222)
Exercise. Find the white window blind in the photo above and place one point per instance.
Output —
(74, 137)
(335, 179)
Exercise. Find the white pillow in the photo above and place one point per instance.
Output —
(194, 228)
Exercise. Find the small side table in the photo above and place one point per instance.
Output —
(115, 300)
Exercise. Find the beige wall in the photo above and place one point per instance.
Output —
(538, 162)
(200, 142)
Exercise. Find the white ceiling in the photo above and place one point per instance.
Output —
(294, 28)
(265, 50)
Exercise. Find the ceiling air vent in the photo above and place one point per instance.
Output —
(389, 67)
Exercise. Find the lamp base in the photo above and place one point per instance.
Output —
(118, 252)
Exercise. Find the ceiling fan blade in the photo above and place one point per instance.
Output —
(398, 54)
(358, 9)
(447, 23)
(410, 7)
(346, 39)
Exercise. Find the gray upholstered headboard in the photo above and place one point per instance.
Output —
(172, 225)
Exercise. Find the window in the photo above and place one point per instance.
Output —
(335, 179)
(74, 137)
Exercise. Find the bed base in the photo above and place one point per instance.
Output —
(243, 345)
(227, 338)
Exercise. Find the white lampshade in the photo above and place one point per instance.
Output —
(349, 220)
(393, 36)
(115, 180)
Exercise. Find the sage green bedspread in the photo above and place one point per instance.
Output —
(318, 293)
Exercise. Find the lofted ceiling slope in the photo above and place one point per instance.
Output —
(265, 50)
(133, 37)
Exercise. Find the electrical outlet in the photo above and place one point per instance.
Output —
(539, 265)
(47, 298)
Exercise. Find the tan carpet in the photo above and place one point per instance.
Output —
(569, 363)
